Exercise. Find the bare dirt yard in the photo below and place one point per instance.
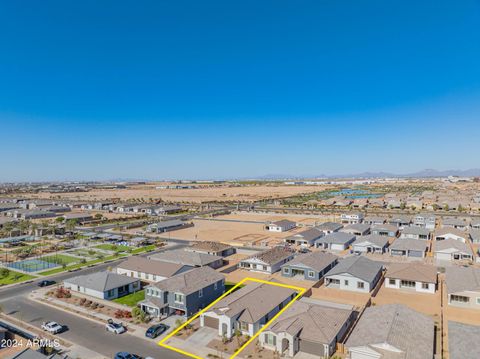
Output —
(204, 193)
(235, 233)
(300, 219)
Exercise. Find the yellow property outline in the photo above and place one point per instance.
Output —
(301, 292)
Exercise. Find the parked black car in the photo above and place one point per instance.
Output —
(46, 283)
(155, 330)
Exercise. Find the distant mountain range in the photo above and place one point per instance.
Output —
(427, 173)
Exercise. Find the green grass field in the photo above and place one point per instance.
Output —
(60, 259)
(14, 277)
(132, 299)
(113, 247)
(80, 265)
(151, 247)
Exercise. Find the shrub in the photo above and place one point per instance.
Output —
(82, 301)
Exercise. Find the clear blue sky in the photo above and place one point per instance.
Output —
(209, 89)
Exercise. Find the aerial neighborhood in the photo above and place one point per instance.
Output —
(324, 278)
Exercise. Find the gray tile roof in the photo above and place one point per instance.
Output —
(283, 223)
(168, 224)
(416, 230)
(475, 235)
(454, 231)
(409, 244)
(463, 340)
(398, 326)
(384, 227)
(312, 322)
(459, 279)
(190, 281)
(185, 257)
(357, 227)
(379, 241)
(336, 238)
(357, 266)
(441, 246)
(101, 281)
(315, 260)
(329, 226)
(308, 234)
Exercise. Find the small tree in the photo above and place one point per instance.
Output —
(4, 272)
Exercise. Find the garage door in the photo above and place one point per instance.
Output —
(416, 254)
(210, 322)
(310, 347)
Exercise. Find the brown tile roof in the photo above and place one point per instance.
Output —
(312, 322)
(190, 281)
(252, 302)
(160, 268)
(273, 256)
(210, 246)
(412, 271)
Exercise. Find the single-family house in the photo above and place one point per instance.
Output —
(310, 266)
(392, 331)
(452, 250)
(247, 309)
(269, 261)
(400, 221)
(168, 226)
(305, 238)
(425, 220)
(388, 230)
(463, 340)
(183, 294)
(213, 248)
(372, 243)
(351, 218)
(103, 285)
(356, 273)
(280, 226)
(451, 233)
(412, 248)
(454, 222)
(329, 227)
(307, 327)
(150, 270)
(475, 235)
(463, 286)
(412, 232)
(359, 229)
(374, 220)
(336, 241)
(475, 223)
(417, 277)
(188, 258)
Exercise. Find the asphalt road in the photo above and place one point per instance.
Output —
(85, 332)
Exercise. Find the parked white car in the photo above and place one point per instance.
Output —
(52, 327)
(117, 328)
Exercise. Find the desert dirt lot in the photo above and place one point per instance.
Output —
(235, 233)
(195, 195)
(300, 219)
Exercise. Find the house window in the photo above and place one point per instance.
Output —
(345, 282)
(311, 274)
(407, 283)
(265, 268)
(178, 298)
(200, 293)
(149, 291)
(111, 292)
(244, 326)
(478, 300)
(215, 286)
(459, 298)
(270, 339)
(360, 285)
(154, 277)
(286, 270)
(425, 286)
(392, 281)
